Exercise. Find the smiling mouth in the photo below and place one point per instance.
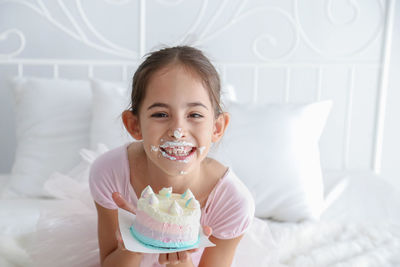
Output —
(180, 151)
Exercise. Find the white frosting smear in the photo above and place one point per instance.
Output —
(176, 144)
(178, 148)
(184, 161)
(178, 133)
(167, 155)
(201, 149)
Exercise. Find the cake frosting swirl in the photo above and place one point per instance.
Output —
(167, 219)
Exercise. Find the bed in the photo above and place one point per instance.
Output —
(316, 108)
(348, 234)
(313, 217)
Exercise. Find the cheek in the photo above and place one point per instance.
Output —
(205, 132)
(150, 130)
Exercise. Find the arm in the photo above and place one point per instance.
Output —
(110, 254)
(222, 254)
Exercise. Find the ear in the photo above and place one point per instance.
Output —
(220, 125)
(132, 125)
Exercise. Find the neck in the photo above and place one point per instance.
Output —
(158, 179)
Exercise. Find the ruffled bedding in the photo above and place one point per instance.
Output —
(47, 230)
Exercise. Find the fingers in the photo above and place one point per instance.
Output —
(122, 203)
(162, 259)
(183, 256)
(207, 230)
(192, 250)
(173, 258)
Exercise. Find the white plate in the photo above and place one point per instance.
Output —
(126, 219)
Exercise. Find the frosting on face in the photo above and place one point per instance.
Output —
(201, 149)
(178, 133)
(180, 151)
(177, 150)
(176, 144)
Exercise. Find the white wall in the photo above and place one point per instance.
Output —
(285, 51)
(391, 145)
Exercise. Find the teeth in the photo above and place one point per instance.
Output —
(177, 148)
(178, 151)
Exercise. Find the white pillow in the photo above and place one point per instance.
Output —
(52, 124)
(109, 101)
(274, 149)
(75, 183)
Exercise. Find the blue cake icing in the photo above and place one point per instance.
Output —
(149, 242)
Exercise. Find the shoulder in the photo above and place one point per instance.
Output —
(105, 164)
(108, 159)
(107, 175)
(231, 189)
(230, 207)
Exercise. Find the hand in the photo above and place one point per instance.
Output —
(123, 204)
(181, 256)
(165, 258)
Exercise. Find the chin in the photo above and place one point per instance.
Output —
(178, 169)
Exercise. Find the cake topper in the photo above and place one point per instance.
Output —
(175, 209)
(166, 191)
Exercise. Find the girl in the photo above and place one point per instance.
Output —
(176, 114)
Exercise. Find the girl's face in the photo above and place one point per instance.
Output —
(176, 120)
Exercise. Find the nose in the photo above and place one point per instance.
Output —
(177, 133)
(177, 127)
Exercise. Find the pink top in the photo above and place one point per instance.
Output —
(229, 209)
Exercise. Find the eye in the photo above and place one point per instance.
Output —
(159, 115)
(195, 115)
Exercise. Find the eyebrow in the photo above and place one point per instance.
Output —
(163, 105)
(157, 104)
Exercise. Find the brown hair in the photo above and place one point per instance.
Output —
(189, 57)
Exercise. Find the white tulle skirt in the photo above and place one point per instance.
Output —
(67, 234)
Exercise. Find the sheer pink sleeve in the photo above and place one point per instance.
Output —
(229, 209)
(109, 173)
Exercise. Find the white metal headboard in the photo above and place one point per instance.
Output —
(256, 61)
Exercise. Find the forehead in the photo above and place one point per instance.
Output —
(175, 82)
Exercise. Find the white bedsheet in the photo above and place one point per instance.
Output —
(361, 228)
(366, 198)
(337, 244)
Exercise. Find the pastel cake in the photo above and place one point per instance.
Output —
(166, 219)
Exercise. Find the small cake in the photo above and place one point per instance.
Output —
(166, 219)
